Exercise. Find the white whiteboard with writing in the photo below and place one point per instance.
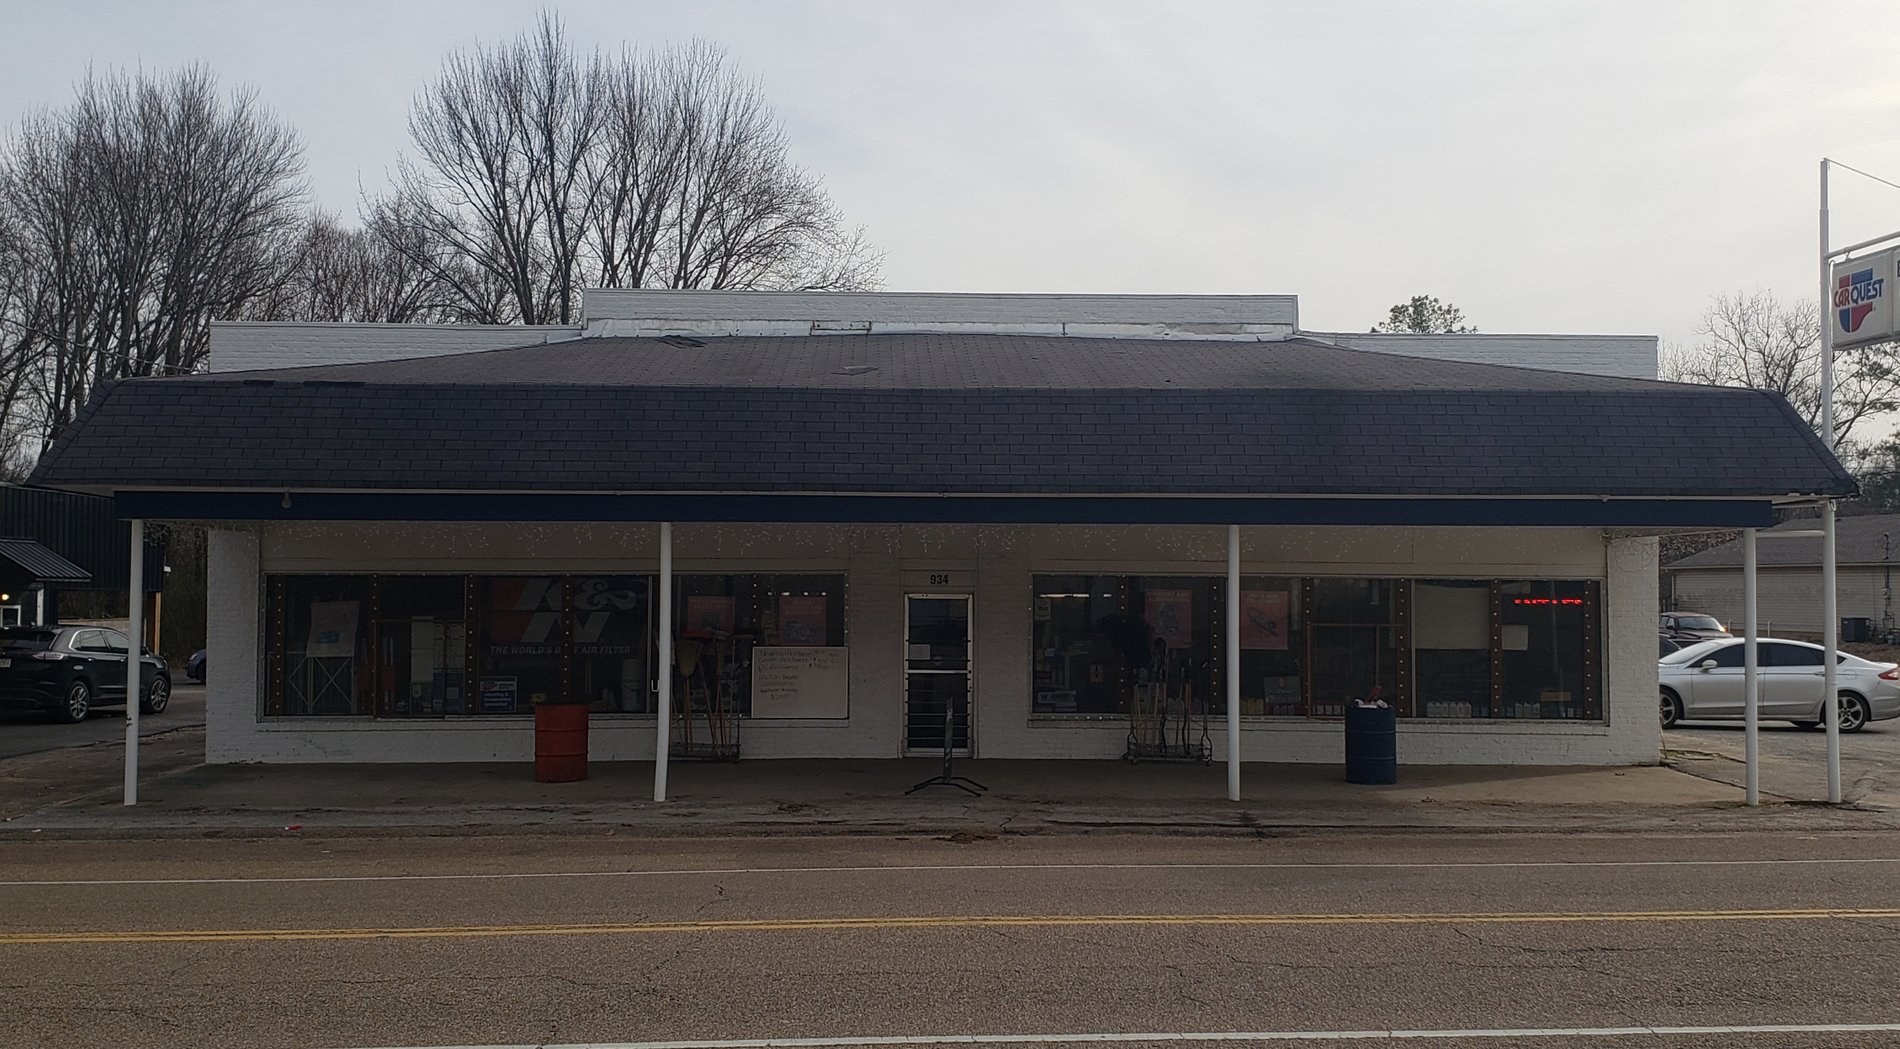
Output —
(801, 682)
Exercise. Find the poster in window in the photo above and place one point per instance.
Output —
(708, 615)
(1263, 620)
(332, 629)
(1171, 617)
(498, 694)
(802, 620)
(524, 616)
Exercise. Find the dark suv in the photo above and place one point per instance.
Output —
(68, 670)
(1692, 626)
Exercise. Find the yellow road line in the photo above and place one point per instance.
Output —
(944, 922)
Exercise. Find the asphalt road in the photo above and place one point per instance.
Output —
(30, 732)
(1794, 760)
(1572, 940)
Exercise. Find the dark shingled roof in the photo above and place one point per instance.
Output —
(942, 413)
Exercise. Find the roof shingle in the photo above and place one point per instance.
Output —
(936, 413)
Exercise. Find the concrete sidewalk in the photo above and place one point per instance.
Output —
(867, 797)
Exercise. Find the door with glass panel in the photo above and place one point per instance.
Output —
(936, 673)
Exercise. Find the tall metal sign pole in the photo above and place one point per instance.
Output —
(1856, 311)
(1830, 620)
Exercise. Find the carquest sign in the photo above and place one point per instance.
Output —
(1860, 299)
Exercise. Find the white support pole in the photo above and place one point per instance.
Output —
(1751, 671)
(1831, 640)
(662, 740)
(1233, 662)
(134, 660)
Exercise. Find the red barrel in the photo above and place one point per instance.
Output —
(560, 742)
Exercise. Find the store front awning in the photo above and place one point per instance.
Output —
(940, 510)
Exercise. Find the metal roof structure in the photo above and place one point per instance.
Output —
(41, 565)
(1868, 539)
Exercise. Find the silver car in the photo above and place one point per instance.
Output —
(1704, 681)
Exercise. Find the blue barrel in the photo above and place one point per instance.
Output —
(1372, 745)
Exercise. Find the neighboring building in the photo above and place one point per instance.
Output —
(883, 506)
(54, 543)
(1788, 576)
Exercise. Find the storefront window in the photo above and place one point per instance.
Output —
(721, 618)
(522, 636)
(612, 639)
(1354, 643)
(1548, 650)
(319, 662)
(1098, 639)
(1272, 647)
(1452, 631)
(421, 645)
(448, 645)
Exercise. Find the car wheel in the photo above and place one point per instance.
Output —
(157, 698)
(1671, 709)
(76, 705)
(1853, 712)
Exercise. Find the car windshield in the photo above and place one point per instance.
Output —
(1697, 623)
(15, 639)
(1692, 654)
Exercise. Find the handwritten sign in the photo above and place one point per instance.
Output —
(801, 682)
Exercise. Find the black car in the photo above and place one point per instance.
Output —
(68, 670)
(1666, 644)
(195, 666)
(1691, 626)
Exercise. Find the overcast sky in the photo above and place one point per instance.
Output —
(1562, 167)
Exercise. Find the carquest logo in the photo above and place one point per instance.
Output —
(1855, 295)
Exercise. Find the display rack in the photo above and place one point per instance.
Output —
(1165, 722)
(706, 721)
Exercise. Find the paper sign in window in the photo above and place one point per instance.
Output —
(803, 620)
(1263, 619)
(332, 629)
(1171, 617)
(708, 615)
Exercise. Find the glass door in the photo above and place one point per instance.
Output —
(936, 673)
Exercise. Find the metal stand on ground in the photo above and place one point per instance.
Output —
(948, 777)
(1148, 722)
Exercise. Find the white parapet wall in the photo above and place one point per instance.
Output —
(254, 345)
(615, 312)
(1623, 356)
(251, 346)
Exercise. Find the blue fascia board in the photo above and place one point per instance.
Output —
(886, 509)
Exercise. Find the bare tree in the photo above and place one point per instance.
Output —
(149, 207)
(1755, 339)
(503, 137)
(541, 171)
(358, 275)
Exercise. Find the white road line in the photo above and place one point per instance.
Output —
(1205, 1036)
(939, 867)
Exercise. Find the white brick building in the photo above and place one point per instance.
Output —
(418, 534)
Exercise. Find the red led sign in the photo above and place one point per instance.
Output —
(1547, 600)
